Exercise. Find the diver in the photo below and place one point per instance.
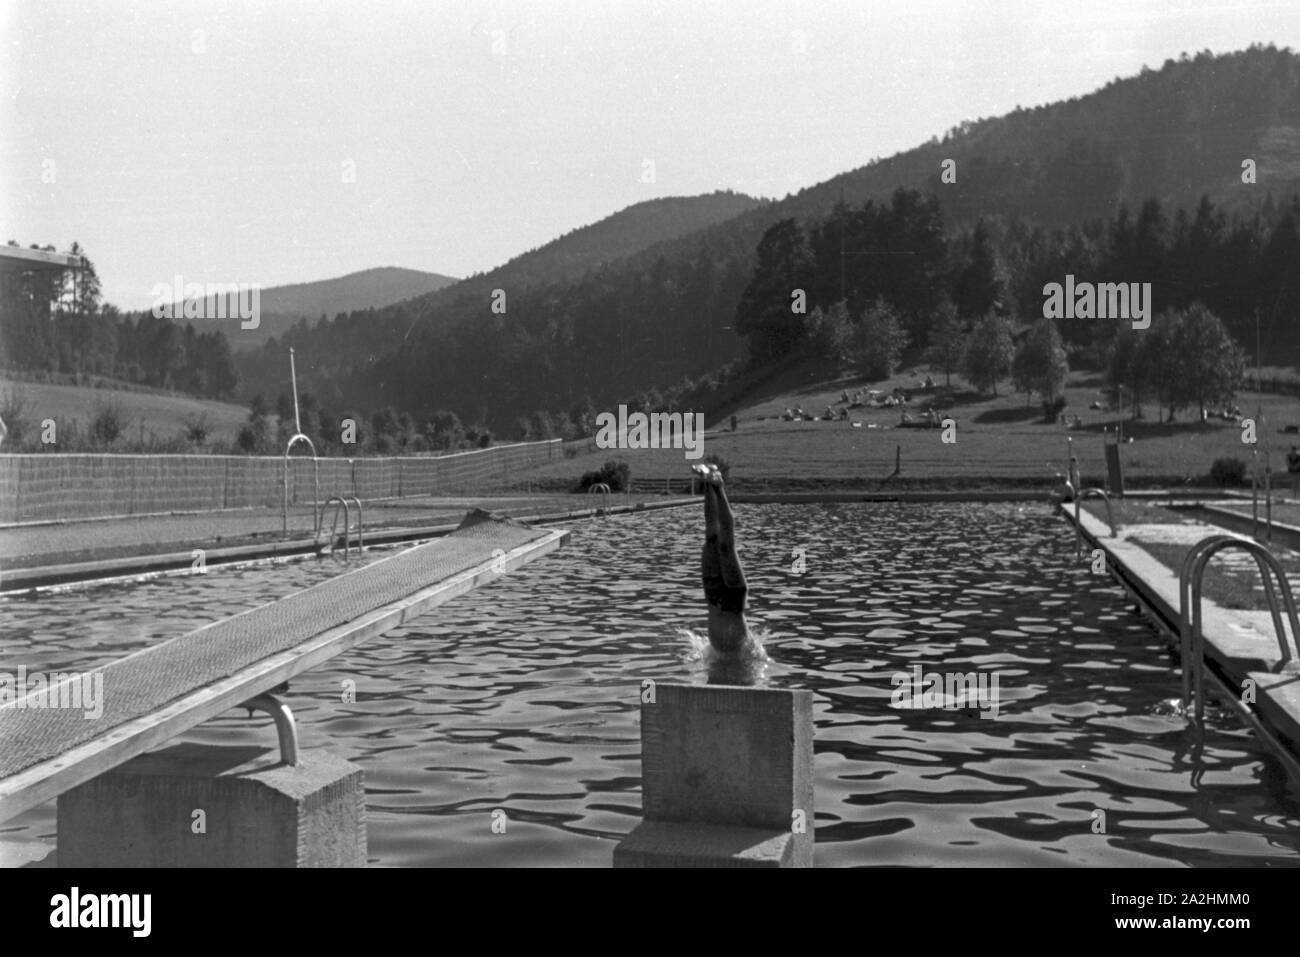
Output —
(725, 588)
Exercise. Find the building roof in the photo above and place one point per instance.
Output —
(16, 259)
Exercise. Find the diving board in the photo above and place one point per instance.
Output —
(158, 693)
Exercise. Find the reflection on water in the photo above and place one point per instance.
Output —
(524, 695)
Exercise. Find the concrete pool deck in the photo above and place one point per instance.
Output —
(35, 556)
(1240, 646)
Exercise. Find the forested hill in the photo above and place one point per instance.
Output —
(666, 312)
(615, 237)
(282, 307)
(1173, 134)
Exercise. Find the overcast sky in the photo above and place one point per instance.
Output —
(215, 140)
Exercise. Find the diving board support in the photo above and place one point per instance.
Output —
(209, 805)
(42, 782)
(285, 730)
(726, 778)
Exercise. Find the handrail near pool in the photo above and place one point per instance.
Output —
(347, 523)
(1190, 625)
(285, 729)
(604, 488)
(1080, 494)
(315, 506)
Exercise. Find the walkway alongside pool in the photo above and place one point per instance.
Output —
(1241, 644)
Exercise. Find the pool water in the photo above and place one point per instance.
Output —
(523, 697)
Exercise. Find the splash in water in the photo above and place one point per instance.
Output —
(747, 665)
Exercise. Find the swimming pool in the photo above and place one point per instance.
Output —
(524, 696)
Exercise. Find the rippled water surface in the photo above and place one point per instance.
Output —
(523, 696)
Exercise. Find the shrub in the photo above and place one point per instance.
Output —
(615, 473)
(108, 424)
(197, 428)
(252, 438)
(1228, 471)
(13, 409)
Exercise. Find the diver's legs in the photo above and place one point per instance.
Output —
(724, 581)
(710, 563)
(732, 573)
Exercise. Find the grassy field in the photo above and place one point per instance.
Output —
(999, 442)
(147, 413)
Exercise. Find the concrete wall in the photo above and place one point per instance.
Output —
(58, 487)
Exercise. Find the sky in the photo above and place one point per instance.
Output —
(279, 142)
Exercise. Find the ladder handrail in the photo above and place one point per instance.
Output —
(334, 523)
(316, 507)
(601, 487)
(1191, 620)
(361, 532)
(1080, 494)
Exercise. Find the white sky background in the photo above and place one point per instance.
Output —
(219, 154)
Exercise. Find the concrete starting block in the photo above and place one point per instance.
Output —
(201, 805)
(727, 779)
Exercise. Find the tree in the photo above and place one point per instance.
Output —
(541, 425)
(1212, 363)
(877, 341)
(980, 284)
(1161, 361)
(764, 314)
(444, 430)
(1126, 368)
(1040, 364)
(989, 352)
(830, 331)
(947, 347)
(584, 416)
(385, 430)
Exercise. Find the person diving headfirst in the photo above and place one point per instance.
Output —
(725, 588)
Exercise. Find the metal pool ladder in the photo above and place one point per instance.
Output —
(603, 488)
(347, 523)
(1190, 624)
(1081, 494)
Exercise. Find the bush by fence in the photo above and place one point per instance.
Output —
(56, 487)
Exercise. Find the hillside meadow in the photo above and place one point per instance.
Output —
(999, 441)
(151, 414)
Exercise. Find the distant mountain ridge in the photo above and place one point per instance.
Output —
(282, 307)
(665, 312)
(629, 231)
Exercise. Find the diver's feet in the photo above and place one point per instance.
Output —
(708, 473)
